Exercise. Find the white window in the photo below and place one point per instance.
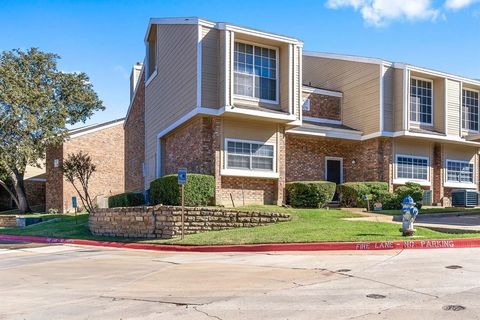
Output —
(248, 155)
(459, 171)
(412, 167)
(470, 110)
(421, 101)
(255, 72)
(306, 104)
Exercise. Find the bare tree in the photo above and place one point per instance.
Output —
(79, 166)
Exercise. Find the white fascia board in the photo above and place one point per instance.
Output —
(322, 91)
(188, 116)
(258, 33)
(328, 134)
(344, 57)
(322, 120)
(249, 173)
(449, 138)
(258, 113)
(76, 135)
(442, 74)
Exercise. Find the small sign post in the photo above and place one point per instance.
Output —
(182, 181)
(74, 206)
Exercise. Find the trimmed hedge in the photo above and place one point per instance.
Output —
(199, 190)
(309, 194)
(352, 193)
(127, 199)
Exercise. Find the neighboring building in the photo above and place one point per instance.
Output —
(105, 145)
(252, 109)
(135, 132)
(34, 182)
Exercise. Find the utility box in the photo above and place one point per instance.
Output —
(464, 198)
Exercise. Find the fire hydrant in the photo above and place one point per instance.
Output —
(409, 214)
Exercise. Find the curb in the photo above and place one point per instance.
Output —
(319, 246)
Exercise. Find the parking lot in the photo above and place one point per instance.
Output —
(78, 282)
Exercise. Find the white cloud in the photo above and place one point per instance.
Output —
(459, 4)
(380, 12)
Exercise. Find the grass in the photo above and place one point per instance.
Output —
(432, 211)
(307, 225)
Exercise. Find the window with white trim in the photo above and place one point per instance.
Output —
(421, 101)
(255, 71)
(470, 110)
(250, 155)
(410, 167)
(459, 171)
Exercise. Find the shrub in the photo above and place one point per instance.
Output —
(352, 193)
(411, 189)
(127, 199)
(199, 190)
(309, 194)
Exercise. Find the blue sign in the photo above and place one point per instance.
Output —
(182, 176)
(74, 202)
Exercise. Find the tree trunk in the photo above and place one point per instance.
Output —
(10, 192)
(19, 186)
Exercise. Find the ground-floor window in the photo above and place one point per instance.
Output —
(249, 155)
(459, 171)
(412, 167)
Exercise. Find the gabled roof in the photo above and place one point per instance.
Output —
(94, 127)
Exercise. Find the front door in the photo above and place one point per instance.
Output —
(333, 172)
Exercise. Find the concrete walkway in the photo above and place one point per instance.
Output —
(76, 282)
(454, 222)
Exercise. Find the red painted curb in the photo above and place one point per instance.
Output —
(319, 246)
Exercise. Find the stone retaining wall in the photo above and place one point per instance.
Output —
(165, 221)
(8, 221)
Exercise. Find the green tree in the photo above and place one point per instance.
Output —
(79, 167)
(37, 102)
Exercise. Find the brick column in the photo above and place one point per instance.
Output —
(280, 190)
(216, 147)
(437, 173)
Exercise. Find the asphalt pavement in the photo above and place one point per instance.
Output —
(40, 281)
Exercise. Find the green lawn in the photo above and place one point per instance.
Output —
(432, 211)
(307, 225)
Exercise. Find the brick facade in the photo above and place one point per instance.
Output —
(325, 107)
(189, 146)
(105, 146)
(362, 160)
(135, 140)
(246, 190)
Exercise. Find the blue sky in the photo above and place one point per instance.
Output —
(105, 38)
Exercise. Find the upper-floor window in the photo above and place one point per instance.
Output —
(421, 102)
(151, 53)
(459, 171)
(249, 155)
(255, 72)
(412, 167)
(470, 110)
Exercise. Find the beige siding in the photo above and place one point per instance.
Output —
(439, 105)
(453, 107)
(210, 63)
(458, 152)
(398, 89)
(360, 84)
(222, 47)
(388, 87)
(173, 92)
(298, 83)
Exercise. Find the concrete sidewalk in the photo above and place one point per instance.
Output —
(453, 222)
(76, 282)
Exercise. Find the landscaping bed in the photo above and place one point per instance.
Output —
(306, 225)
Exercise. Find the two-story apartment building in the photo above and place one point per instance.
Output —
(252, 109)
